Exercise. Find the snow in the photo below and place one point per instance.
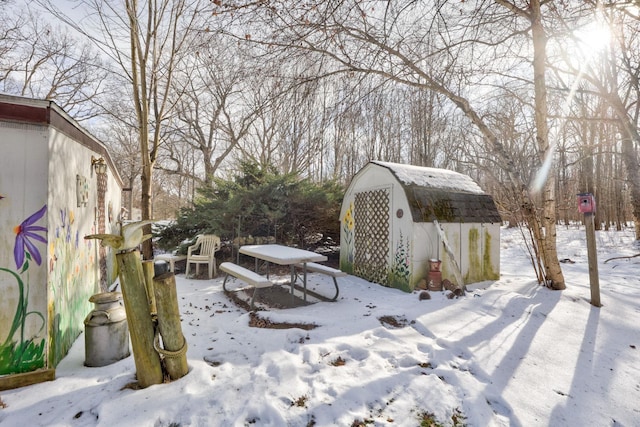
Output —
(509, 353)
(432, 177)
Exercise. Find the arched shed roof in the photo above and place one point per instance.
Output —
(443, 195)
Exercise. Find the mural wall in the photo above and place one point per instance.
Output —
(74, 263)
(48, 271)
(23, 247)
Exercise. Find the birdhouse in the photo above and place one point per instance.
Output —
(586, 203)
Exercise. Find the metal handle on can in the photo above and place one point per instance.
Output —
(106, 313)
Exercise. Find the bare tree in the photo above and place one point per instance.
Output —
(211, 114)
(603, 66)
(10, 39)
(46, 62)
(146, 40)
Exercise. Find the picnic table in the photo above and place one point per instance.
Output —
(284, 255)
(171, 259)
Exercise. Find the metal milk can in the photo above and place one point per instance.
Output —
(106, 338)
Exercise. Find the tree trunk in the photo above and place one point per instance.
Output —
(633, 175)
(141, 328)
(146, 201)
(553, 272)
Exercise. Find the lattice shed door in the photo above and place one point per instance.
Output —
(372, 234)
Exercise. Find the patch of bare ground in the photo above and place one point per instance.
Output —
(394, 322)
(256, 321)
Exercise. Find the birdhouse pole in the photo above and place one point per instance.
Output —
(587, 205)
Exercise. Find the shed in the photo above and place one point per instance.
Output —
(390, 219)
(57, 184)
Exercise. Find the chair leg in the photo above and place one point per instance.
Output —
(210, 271)
(186, 270)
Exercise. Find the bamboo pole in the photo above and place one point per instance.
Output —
(141, 329)
(175, 345)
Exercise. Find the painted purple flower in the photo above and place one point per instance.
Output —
(25, 233)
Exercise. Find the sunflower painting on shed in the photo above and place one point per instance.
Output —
(389, 219)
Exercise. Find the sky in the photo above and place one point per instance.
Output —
(508, 353)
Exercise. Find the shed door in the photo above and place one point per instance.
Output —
(371, 234)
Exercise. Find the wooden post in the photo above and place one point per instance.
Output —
(175, 345)
(445, 243)
(594, 280)
(141, 329)
(148, 271)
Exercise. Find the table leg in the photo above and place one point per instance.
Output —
(304, 279)
(292, 279)
(256, 268)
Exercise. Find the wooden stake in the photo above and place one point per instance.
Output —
(175, 345)
(141, 329)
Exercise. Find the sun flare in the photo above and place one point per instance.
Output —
(593, 38)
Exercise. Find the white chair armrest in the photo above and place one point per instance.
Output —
(192, 248)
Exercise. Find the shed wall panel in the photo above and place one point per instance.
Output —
(23, 187)
(39, 172)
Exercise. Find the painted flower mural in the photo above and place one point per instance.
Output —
(26, 233)
(18, 352)
(400, 271)
(348, 224)
(70, 282)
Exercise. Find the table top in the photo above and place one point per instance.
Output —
(176, 257)
(280, 254)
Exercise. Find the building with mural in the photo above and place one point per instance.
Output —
(57, 184)
(395, 219)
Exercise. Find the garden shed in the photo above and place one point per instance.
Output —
(57, 184)
(395, 218)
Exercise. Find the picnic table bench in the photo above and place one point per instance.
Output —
(314, 267)
(253, 279)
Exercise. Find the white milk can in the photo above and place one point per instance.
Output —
(106, 334)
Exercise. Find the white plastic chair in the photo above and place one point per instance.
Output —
(208, 245)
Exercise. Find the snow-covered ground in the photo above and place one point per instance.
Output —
(509, 353)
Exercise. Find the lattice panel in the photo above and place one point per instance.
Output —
(371, 235)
